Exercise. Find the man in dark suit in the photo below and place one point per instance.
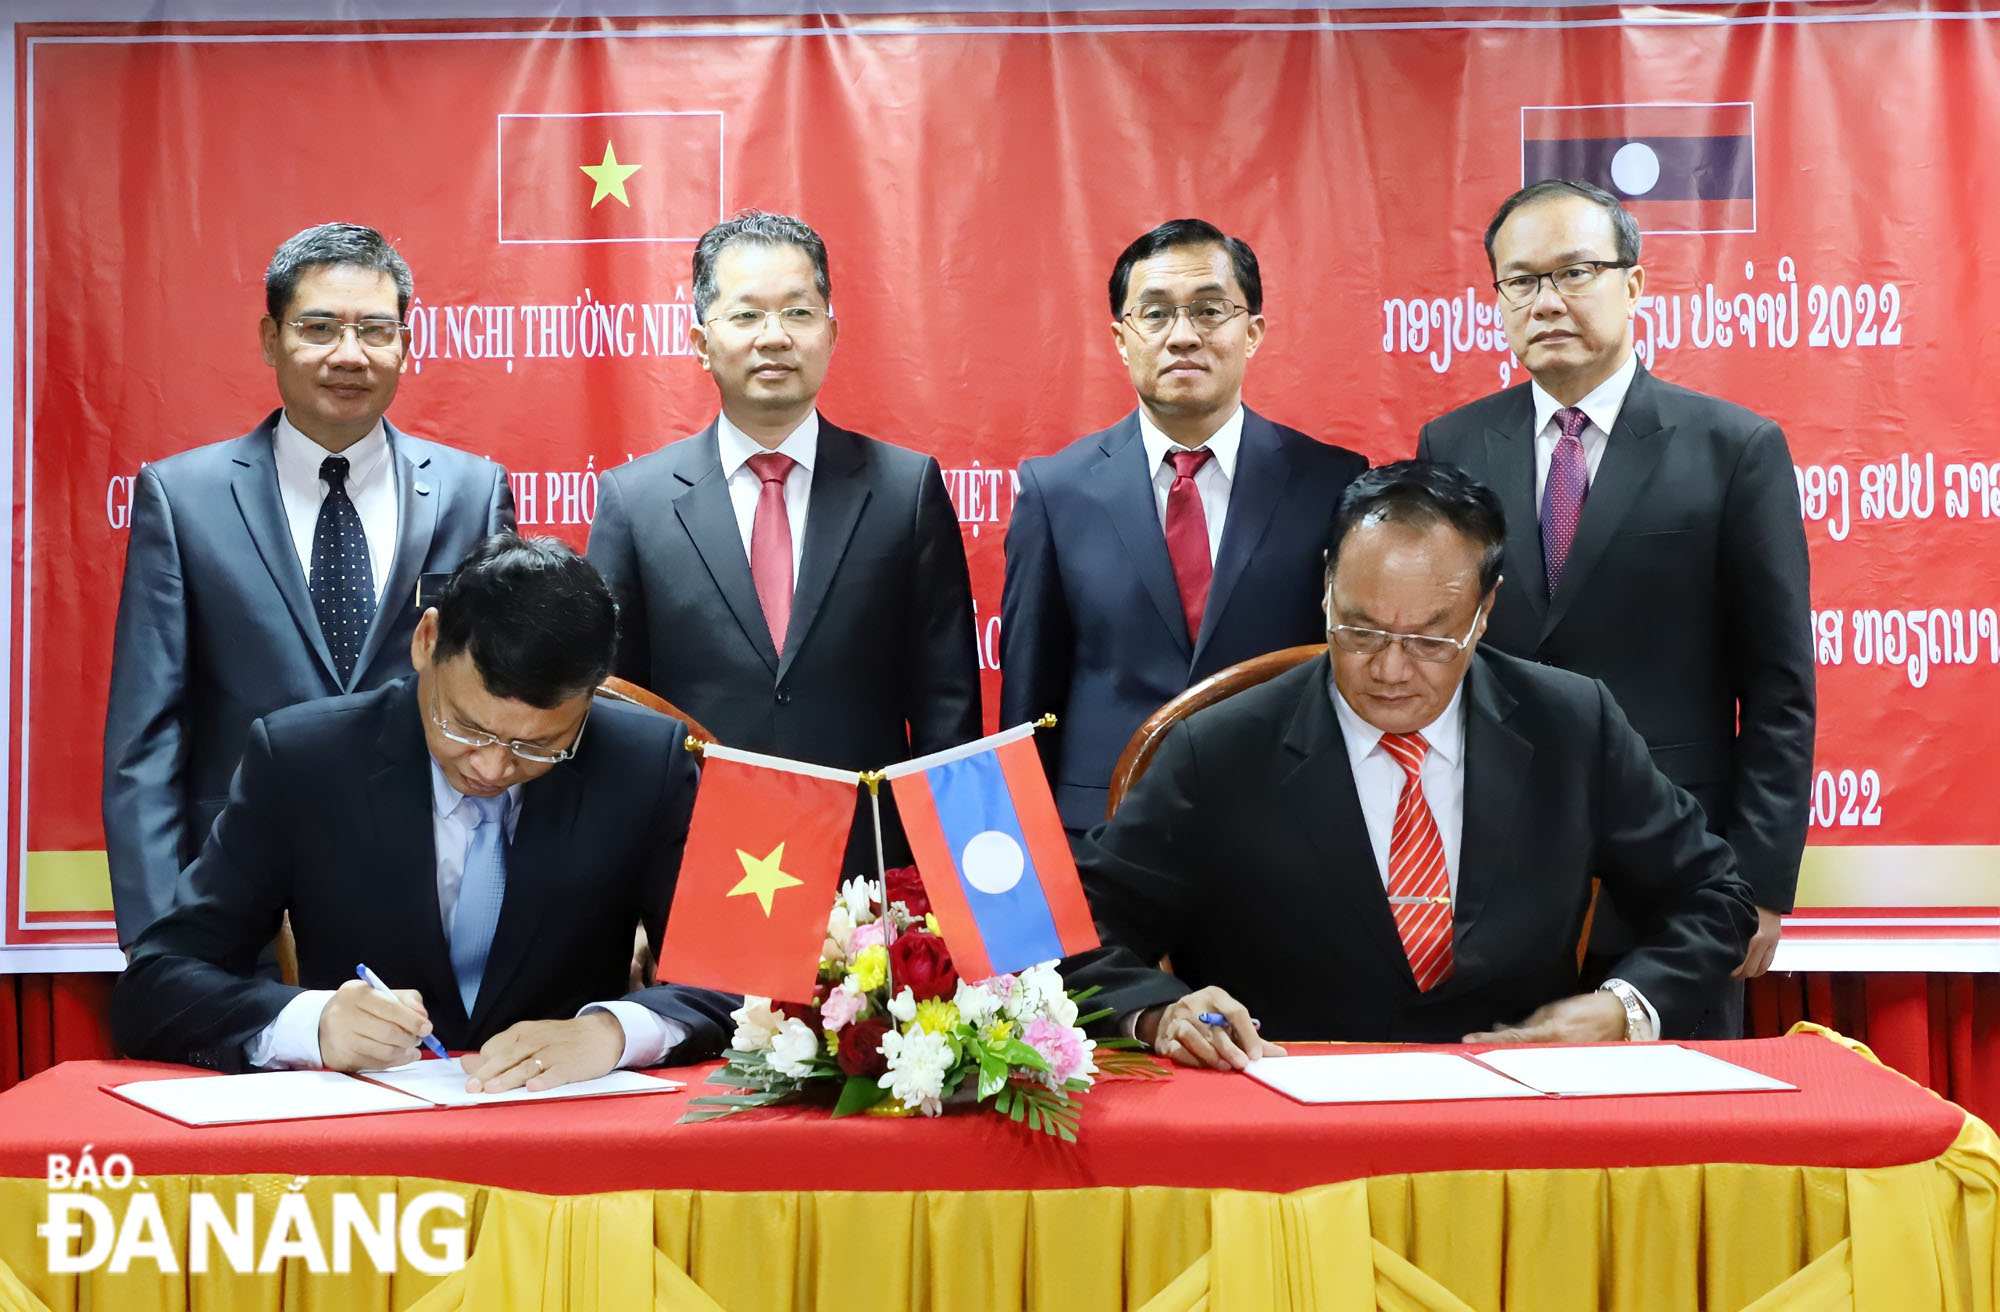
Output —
(1656, 544)
(799, 589)
(278, 566)
(1128, 579)
(1397, 843)
(459, 833)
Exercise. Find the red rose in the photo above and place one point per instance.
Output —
(907, 886)
(861, 1047)
(920, 962)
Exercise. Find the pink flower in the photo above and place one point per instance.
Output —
(839, 1009)
(871, 935)
(1063, 1047)
(1002, 985)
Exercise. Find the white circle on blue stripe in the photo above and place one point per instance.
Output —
(992, 861)
(1635, 169)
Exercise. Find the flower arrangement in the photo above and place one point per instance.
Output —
(1015, 1040)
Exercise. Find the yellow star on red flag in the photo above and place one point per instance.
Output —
(762, 876)
(610, 177)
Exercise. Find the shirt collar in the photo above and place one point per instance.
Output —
(1222, 445)
(299, 455)
(1444, 735)
(445, 799)
(1601, 406)
(736, 446)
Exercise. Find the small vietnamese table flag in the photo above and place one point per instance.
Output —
(760, 874)
(990, 846)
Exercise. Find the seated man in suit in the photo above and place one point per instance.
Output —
(461, 834)
(1397, 844)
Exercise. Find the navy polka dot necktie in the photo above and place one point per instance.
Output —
(343, 587)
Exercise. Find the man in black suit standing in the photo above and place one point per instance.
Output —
(1397, 843)
(1656, 544)
(799, 589)
(281, 565)
(1188, 536)
(460, 833)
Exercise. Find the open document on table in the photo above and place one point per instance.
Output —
(1524, 1072)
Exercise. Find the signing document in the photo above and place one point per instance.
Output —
(1603, 1070)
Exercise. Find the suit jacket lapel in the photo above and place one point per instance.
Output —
(710, 520)
(405, 843)
(1123, 485)
(1631, 453)
(416, 517)
(535, 862)
(255, 487)
(1261, 469)
(1320, 793)
(1496, 771)
(839, 491)
(1510, 465)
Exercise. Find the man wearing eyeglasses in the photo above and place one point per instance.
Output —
(1184, 538)
(479, 835)
(1396, 843)
(278, 566)
(1656, 545)
(798, 588)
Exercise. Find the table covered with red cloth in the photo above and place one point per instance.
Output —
(1197, 1129)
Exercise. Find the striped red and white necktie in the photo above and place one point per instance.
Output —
(1419, 884)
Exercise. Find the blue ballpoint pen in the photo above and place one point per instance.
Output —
(1217, 1018)
(374, 981)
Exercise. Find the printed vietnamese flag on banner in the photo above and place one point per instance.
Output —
(582, 178)
(759, 876)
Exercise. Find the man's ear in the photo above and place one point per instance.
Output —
(423, 642)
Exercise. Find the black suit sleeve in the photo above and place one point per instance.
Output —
(1424, 443)
(612, 550)
(500, 507)
(942, 705)
(1037, 638)
(703, 1013)
(1142, 874)
(1764, 576)
(1668, 873)
(190, 993)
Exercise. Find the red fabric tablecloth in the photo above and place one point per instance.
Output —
(1196, 1129)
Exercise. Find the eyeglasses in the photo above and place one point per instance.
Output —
(1572, 280)
(375, 334)
(793, 320)
(1205, 314)
(1417, 646)
(526, 751)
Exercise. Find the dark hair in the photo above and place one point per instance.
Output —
(758, 229)
(1623, 224)
(1176, 233)
(329, 244)
(539, 621)
(1419, 494)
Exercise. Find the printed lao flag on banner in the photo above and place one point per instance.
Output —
(1678, 168)
(651, 175)
(983, 827)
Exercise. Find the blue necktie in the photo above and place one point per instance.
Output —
(342, 582)
(479, 896)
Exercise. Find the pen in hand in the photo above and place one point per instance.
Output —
(374, 981)
(1217, 1018)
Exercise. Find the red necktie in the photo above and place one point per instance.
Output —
(1187, 537)
(771, 544)
(1562, 496)
(1419, 884)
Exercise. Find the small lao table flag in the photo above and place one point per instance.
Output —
(984, 830)
(759, 876)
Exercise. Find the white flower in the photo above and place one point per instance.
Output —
(855, 896)
(756, 1024)
(793, 1049)
(976, 1004)
(918, 1062)
(1036, 990)
(904, 1006)
(839, 929)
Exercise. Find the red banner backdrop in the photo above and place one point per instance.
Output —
(974, 178)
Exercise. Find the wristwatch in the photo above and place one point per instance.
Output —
(1637, 1023)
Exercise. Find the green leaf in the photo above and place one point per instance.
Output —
(1078, 995)
(1093, 1017)
(992, 1075)
(740, 1099)
(859, 1094)
(1018, 1053)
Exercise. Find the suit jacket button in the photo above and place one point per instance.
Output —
(784, 697)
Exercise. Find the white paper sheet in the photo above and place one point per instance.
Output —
(266, 1096)
(1626, 1068)
(1383, 1077)
(443, 1083)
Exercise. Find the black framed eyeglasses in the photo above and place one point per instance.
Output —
(1569, 281)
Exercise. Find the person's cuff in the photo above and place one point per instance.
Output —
(649, 1036)
(1652, 1029)
(291, 1042)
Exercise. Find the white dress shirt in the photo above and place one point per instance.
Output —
(736, 447)
(371, 486)
(1601, 408)
(292, 1040)
(1212, 481)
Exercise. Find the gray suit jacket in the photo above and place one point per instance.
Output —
(216, 629)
